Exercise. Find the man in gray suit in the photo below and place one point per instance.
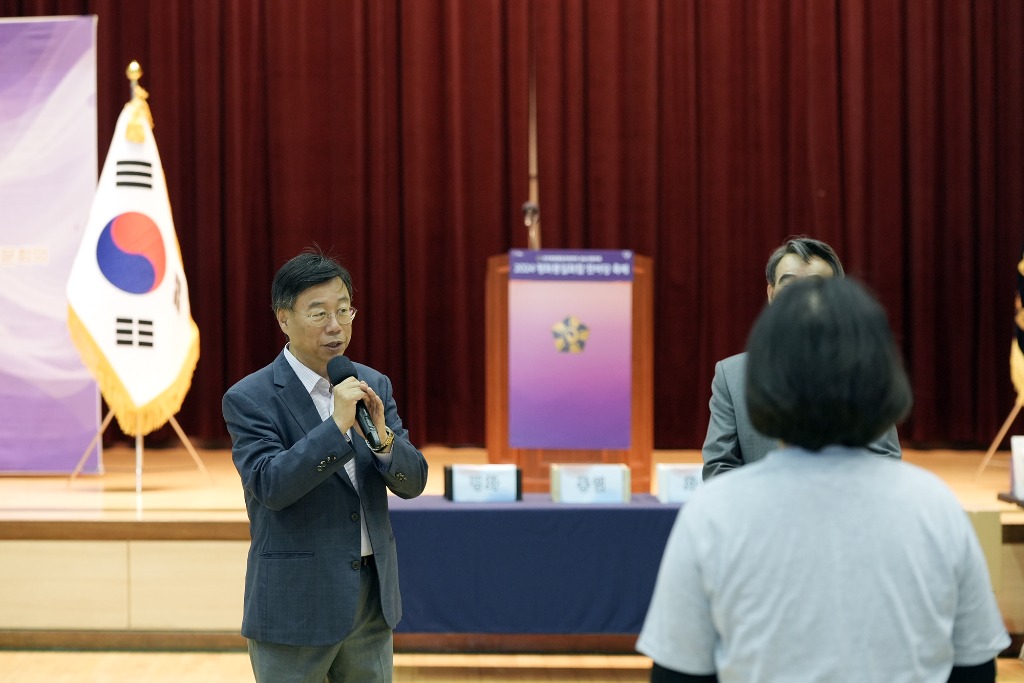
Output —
(732, 440)
(321, 584)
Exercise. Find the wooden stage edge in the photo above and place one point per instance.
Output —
(216, 641)
(177, 503)
(196, 641)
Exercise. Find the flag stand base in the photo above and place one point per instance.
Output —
(999, 437)
(139, 452)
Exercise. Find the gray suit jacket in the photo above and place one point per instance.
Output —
(732, 440)
(303, 574)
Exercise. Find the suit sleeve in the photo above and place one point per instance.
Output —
(406, 473)
(274, 469)
(721, 451)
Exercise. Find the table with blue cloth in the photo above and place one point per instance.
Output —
(528, 567)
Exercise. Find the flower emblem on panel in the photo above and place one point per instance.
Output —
(570, 335)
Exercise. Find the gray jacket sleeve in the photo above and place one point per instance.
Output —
(721, 451)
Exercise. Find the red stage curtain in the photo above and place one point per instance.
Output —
(700, 133)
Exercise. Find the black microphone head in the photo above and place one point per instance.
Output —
(339, 369)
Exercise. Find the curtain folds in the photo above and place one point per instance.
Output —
(393, 133)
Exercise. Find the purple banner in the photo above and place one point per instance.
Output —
(49, 404)
(570, 349)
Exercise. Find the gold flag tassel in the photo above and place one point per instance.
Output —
(132, 419)
(1016, 353)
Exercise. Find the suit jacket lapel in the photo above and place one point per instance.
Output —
(294, 395)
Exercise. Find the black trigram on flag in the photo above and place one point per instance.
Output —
(135, 174)
(134, 332)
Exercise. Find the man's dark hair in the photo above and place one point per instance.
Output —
(806, 248)
(823, 368)
(310, 268)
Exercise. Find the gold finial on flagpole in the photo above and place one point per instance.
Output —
(138, 104)
(134, 73)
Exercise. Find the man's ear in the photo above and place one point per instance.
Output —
(771, 293)
(282, 320)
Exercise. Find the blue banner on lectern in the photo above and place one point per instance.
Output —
(570, 319)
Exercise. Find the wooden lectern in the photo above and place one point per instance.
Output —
(535, 463)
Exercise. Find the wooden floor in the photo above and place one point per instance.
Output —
(229, 667)
(199, 667)
(173, 489)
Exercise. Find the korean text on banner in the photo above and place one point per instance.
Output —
(49, 404)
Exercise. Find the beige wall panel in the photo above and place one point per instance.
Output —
(63, 585)
(1011, 593)
(187, 585)
(989, 528)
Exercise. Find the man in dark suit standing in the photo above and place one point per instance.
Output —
(321, 584)
(732, 440)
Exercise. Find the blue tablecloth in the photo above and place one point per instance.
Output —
(532, 566)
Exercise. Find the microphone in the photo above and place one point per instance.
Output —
(340, 369)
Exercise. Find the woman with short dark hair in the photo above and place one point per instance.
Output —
(821, 562)
(823, 369)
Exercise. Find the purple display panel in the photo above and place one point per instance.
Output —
(49, 404)
(570, 349)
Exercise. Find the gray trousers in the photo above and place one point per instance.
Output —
(366, 654)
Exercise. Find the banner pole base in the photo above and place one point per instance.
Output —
(85, 456)
(191, 451)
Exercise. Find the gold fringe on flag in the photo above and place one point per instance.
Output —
(134, 420)
(1017, 367)
(1016, 353)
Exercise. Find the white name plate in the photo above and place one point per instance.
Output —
(600, 483)
(483, 483)
(1017, 466)
(678, 482)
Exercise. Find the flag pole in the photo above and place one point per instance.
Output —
(88, 449)
(999, 437)
(138, 456)
(531, 208)
(133, 190)
(188, 446)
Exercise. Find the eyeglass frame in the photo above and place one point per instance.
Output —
(328, 316)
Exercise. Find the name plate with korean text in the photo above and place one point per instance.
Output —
(497, 483)
(1017, 467)
(598, 483)
(677, 482)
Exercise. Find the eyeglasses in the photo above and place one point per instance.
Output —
(344, 316)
